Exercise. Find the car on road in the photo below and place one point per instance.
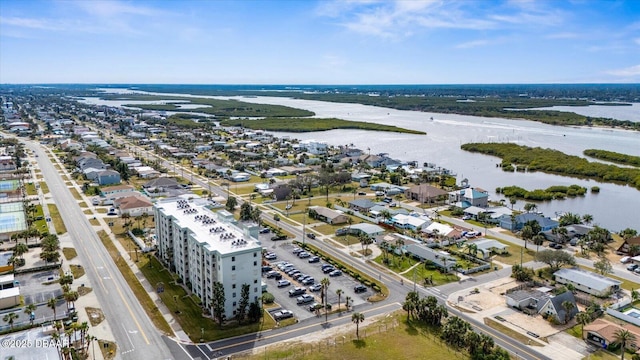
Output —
(632, 267)
(282, 314)
(297, 291)
(270, 256)
(283, 283)
(304, 299)
(361, 193)
(314, 259)
(335, 273)
(315, 287)
(279, 237)
(311, 235)
(359, 288)
(265, 231)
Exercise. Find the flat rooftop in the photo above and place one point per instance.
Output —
(208, 227)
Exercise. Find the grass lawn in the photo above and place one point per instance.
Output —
(44, 187)
(513, 256)
(88, 212)
(69, 253)
(400, 264)
(379, 340)
(575, 331)
(76, 270)
(603, 355)
(57, 220)
(101, 210)
(147, 304)
(31, 189)
(94, 222)
(82, 204)
(75, 193)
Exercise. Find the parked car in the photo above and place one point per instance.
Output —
(632, 267)
(314, 306)
(277, 276)
(315, 287)
(282, 265)
(297, 291)
(283, 283)
(573, 242)
(314, 259)
(272, 273)
(270, 256)
(625, 259)
(304, 255)
(466, 217)
(266, 269)
(282, 314)
(379, 193)
(341, 232)
(362, 193)
(308, 281)
(296, 251)
(359, 288)
(328, 269)
(335, 273)
(311, 235)
(304, 299)
(637, 270)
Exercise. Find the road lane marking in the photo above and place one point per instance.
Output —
(135, 319)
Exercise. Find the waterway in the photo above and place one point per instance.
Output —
(614, 207)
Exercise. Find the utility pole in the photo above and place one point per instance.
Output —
(304, 227)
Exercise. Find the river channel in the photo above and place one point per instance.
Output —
(614, 207)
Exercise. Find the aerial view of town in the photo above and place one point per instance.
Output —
(319, 180)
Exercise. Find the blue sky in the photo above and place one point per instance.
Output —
(319, 42)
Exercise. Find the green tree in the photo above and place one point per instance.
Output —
(587, 218)
(538, 240)
(339, 292)
(244, 303)
(325, 282)
(603, 266)
(231, 203)
(245, 211)
(357, 318)
(555, 259)
(583, 318)
(568, 306)
(51, 303)
(10, 318)
(218, 300)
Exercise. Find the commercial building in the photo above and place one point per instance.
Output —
(204, 247)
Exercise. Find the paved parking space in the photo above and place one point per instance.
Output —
(284, 253)
(33, 289)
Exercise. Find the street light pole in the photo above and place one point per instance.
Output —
(304, 227)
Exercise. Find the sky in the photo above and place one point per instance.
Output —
(320, 42)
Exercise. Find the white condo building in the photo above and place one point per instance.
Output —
(203, 247)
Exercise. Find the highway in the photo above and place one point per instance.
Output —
(135, 335)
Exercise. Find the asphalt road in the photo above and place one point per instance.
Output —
(135, 334)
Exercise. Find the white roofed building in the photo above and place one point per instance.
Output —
(204, 247)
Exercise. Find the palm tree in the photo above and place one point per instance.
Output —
(29, 309)
(347, 302)
(357, 318)
(325, 292)
(339, 292)
(538, 239)
(568, 306)
(583, 318)
(587, 218)
(20, 249)
(625, 339)
(472, 249)
(10, 318)
(51, 303)
(635, 295)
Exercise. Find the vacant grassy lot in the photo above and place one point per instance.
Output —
(511, 333)
(400, 264)
(57, 219)
(31, 189)
(76, 270)
(44, 187)
(75, 193)
(515, 253)
(379, 340)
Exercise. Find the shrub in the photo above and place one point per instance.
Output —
(268, 298)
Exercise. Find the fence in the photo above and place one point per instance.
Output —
(614, 310)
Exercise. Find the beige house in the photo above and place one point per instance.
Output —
(329, 216)
(134, 206)
(424, 193)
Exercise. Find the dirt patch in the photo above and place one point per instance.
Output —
(108, 349)
(96, 316)
(84, 290)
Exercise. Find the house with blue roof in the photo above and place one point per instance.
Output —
(517, 223)
(464, 198)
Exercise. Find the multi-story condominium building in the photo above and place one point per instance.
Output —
(204, 247)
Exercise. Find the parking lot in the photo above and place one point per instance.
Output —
(284, 253)
(34, 290)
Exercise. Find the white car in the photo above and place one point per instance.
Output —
(625, 259)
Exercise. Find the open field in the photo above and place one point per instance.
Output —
(57, 220)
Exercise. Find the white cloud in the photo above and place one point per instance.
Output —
(30, 23)
(472, 44)
(626, 72)
(563, 35)
(115, 8)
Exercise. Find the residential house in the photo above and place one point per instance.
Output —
(587, 281)
(425, 193)
(281, 192)
(628, 243)
(134, 206)
(329, 216)
(368, 229)
(162, 183)
(602, 333)
(314, 147)
(240, 177)
(540, 301)
(441, 259)
(408, 222)
(488, 247)
(576, 231)
(108, 177)
(464, 198)
(111, 190)
(361, 205)
(546, 223)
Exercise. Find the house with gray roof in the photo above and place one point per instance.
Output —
(587, 281)
(541, 301)
(361, 205)
(545, 223)
(368, 229)
(555, 307)
(329, 216)
(441, 259)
